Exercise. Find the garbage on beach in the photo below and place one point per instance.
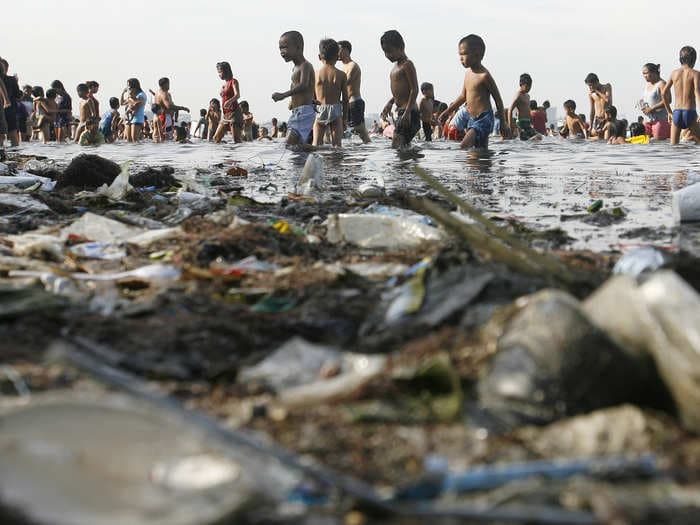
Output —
(386, 228)
(686, 204)
(120, 187)
(311, 177)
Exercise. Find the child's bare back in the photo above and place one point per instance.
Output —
(330, 90)
(330, 84)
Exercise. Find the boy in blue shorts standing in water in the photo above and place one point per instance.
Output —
(479, 88)
(686, 91)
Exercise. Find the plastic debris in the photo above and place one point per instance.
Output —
(311, 178)
(686, 204)
(640, 260)
(120, 187)
(153, 272)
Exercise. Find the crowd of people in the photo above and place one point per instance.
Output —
(326, 104)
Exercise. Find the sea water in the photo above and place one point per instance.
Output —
(545, 184)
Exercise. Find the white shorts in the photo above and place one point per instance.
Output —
(329, 113)
(301, 121)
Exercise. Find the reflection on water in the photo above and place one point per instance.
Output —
(545, 184)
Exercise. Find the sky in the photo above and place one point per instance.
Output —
(557, 42)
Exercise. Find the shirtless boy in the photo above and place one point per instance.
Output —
(356, 106)
(213, 117)
(85, 109)
(404, 90)
(331, 90)
(165, 100)
(48, 108)
(521, 104)
(301, 121)
(686, 94)
(426, 108)
(479, 88)
(573, 127)
(600, 96)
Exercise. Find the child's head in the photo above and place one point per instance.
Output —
(427, 89)
(156, 109)
(442, 107)
(224, 70)
(328, 50)
(582, 116)
(134, 85)
(58, 86)
(345, 49)
(51, 94)
(164, 83)
(637, 129)
(688, 56)
(651, 72)
(274, 121)
(570, 106)
(82, 90)
(202, 113)
(114, 102)
(533, 105)
(471, 50)
(245, 107)
(214, 104)
(592, 80)
(37, 91)
(93, 86)
(619, 129)
(525, 83)
(546, 104)
(610, 113)
(392, 44)
(262, 132)
(291, 45)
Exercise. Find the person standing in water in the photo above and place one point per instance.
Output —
(600, 96)
(356, 106)
(687, 91)
(232, 114)
(652, 103)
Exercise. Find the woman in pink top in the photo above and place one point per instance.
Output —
(232, 115)
(652, 103)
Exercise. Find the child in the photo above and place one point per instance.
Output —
(613, 128)
(404, 90)
(356, 105)
(93, 88)
(157, 131)
(46, 109)
(202, 125)
(181, 134)
(232, 116)
(686, 92)
(538, 116)
(65, 112)
(169, 109)
(213, 117)
(521, 103)
(85, 109)
(110, 120)
(331, 89)
(247, 121)
(600, 96)
(91, 136)
(263, 134)
(274, 132)
(426, 107)
(479, 88)
(573, 125)
(301, 122)
(136, 104)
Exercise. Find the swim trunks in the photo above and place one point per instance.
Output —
(301, 121)
(329, 113)
(598, 125)
(682, 118)
(428, 131)
(356, 112)
(526, 129)
(461, 119)
(482, 125)
(408, 130)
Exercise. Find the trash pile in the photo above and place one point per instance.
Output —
(176, 352)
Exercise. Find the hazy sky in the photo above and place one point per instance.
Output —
(557, 42)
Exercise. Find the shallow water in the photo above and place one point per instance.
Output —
(545, 185)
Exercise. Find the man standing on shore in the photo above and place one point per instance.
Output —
(356, 106)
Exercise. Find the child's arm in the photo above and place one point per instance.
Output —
(299, 87)
(509, 116)
(496, 95)
(3, 95)
(387, 108)
(412, 78)
(592, 113)
(583, 127)
(344, 98)
(459, 101)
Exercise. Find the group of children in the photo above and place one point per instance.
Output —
(326, 103)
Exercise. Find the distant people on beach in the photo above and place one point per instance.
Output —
(426, 109)
(652, 103)
(686, 89)
(232, 116)
(135, 104)
(169, 110)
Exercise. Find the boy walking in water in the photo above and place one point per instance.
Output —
(301, 121)
(479, 88)
(426, 108)
(404, 90)
(165, 100)
(574, 127)
(521, 103)
(600, 96)
(331, 88)
(356, 106)
(686, 93)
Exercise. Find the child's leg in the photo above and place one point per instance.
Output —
(138, 132)
(469, 138)
(45, 132)
(675, 133)
(361, 130)
(319, 132)
(694, 129)
(220, 131)
(337, 132)
(236, 132)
